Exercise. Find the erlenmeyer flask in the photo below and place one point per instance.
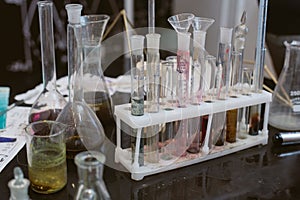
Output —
(285, 106)
(90, 171)
(50, 102)
(95, 90)
(84, 128)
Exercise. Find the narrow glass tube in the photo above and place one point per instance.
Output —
(183, 68)
(73, 46)
(236, 66)
(151, 16)
(153, 75)
(137, 75)
(254, 121)
(231, 125)
(243, 121)
(211, 68)
(223, 61)
(153, 72)
(247, 77)
(260, 46)
(167, 93)
(198, 68)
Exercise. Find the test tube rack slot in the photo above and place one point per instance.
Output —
(123, 114)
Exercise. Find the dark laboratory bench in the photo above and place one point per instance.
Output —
(261, 172)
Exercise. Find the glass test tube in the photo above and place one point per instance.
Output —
(137, 91)
(211, 68)
(236, 66)
(167, 85)
(223, 62)
(198, 68)
(153, 72)
(183, 68)
(137, 75)
(153, 75)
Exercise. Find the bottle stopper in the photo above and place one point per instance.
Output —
(74, 13)
(18, 186)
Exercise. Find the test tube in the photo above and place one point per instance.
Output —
(223, 62)
(183, 68)
(168, 85)
(210, 78)
(198, 68)
(247, 76)
(137, 75)
(236, 66)
(153, 72)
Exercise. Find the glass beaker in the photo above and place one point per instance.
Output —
(90, 171)
(94, 87)
(285, 106)
(46, 155)
(50, 102)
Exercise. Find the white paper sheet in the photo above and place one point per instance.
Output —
(17, 119)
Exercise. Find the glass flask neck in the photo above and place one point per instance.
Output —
(47, 44)
(74, 47)
(90, 171)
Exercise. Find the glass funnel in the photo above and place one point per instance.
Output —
(181, 22)
(84, 128)
(90, 171)
(285, 106)
(94, 87)
(50, 102)
(200, 26)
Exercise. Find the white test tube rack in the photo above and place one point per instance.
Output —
(124, 156)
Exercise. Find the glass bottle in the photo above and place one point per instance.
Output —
(90, 172)
(84, 131)
(50, 102)
(285, 105)
(137, 75)
(94, 87)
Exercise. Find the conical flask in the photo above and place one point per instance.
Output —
(95, 90)
(285, 105)
(85, 131)
(50, 102)
(90, 171)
